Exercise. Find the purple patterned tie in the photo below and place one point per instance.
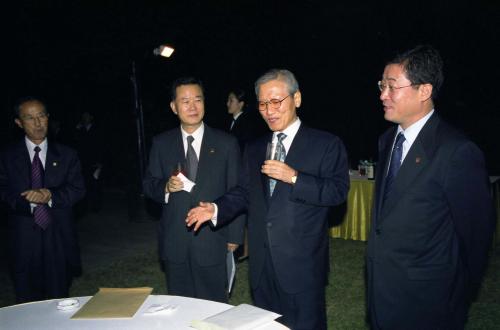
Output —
(40, 212)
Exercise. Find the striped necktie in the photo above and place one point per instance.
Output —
(41, 212)
(279, 154)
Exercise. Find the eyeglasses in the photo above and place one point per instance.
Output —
(40, 116)
(275, 103)
(382, 87)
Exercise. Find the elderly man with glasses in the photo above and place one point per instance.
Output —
(287, 202)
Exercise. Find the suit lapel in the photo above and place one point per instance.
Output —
(385, 154)
(261, 157)
(207, 159)
(22, 161)
(178, 149)
(52, 163)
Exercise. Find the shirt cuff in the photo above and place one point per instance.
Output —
(216, 212)
(166, 197)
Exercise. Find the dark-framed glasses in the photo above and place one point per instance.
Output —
(274, 103)
(382, 86)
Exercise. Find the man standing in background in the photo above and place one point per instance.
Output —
(40, 181)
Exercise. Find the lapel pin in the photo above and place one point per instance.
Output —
(212, 151)
(418, 160)
(54, 164)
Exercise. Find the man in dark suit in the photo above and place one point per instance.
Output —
(195, 263)
(287, 203)
(432, 220)
(40, 181)
(90, 147)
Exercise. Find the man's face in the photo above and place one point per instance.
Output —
(189, 106)
(280, 118)
(402, 105)
(33, 120)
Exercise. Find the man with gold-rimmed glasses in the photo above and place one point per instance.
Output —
(432, 219)
(287, 202)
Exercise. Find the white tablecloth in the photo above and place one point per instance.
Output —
(45, 315)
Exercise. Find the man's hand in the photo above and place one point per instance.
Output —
(278, 170)
(37, 196)
(199, 215)
(174, 184)
(232, 247)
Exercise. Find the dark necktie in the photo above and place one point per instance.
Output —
(279, 154)
(40, 212)
(192, 159)
(396, 156)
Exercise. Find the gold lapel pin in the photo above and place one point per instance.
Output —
(417, 160)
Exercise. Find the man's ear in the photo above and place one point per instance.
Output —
(18, 123)
(172, 106)
(297, 99)
(425, 92)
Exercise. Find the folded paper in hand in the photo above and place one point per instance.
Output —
(241, 317)
(188, 184)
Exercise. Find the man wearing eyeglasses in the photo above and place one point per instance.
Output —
(40, 181)
(287, 202)
(432, 220)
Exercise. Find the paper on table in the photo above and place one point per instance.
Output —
(241, 317)
(113, 303)
(231, 270)
(188, 184)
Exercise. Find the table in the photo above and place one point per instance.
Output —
(45, 315)
(356, 222)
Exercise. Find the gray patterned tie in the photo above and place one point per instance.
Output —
(41, 212)
(192, 159)
(279, 154)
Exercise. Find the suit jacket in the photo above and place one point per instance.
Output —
(293, 222)
(247, 127)
(63, 178)
(218, 166)
(430, 238)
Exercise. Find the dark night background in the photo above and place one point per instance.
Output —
(77, 55)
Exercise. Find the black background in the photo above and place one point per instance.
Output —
(77, 55)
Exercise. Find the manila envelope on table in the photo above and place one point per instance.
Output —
(113, 303)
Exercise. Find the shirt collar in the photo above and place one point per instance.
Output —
(290, 131)
(31, 146)
(197, 134)
(235, 116)
(411, 132)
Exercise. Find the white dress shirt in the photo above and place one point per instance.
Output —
(198, 138)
